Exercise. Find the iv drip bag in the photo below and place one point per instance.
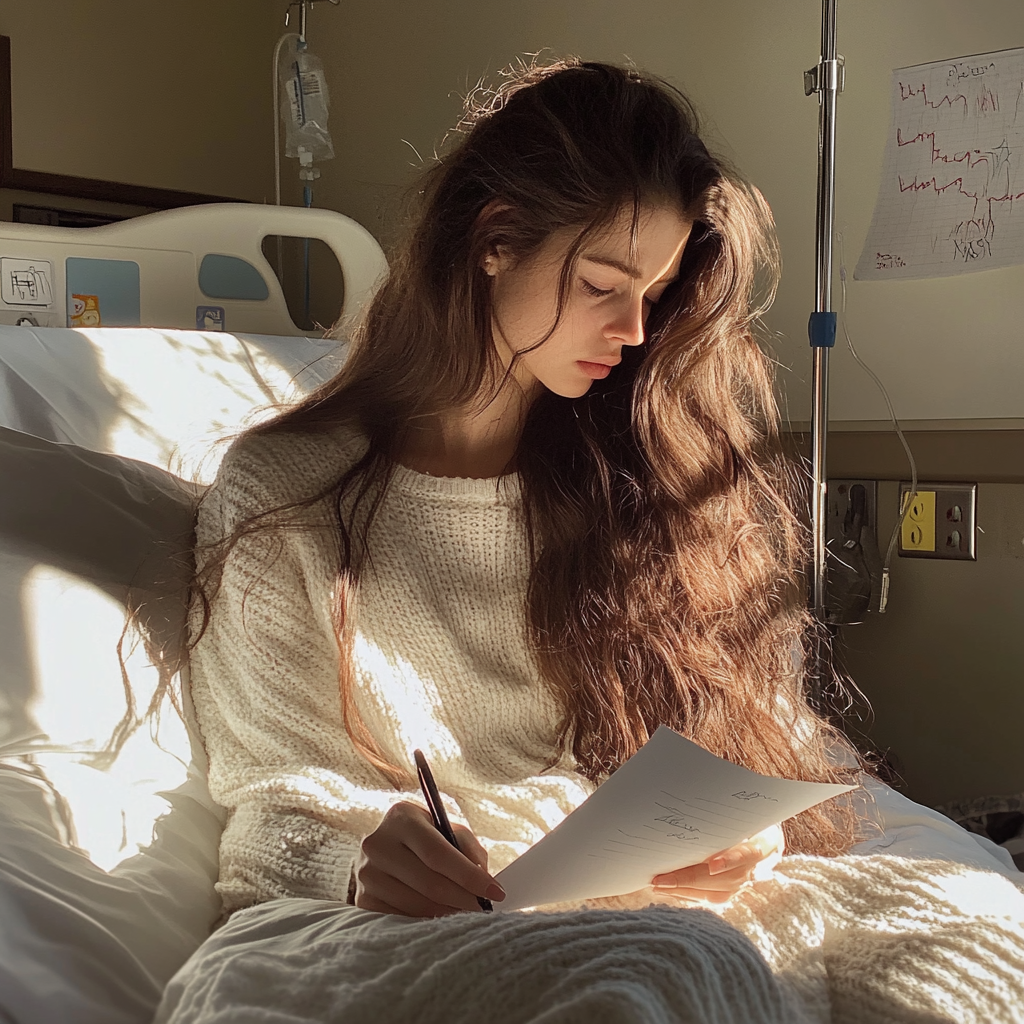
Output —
(304, 104)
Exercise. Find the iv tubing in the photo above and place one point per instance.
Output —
(884, 597)
(277, 119)
(307, 201)
(277, 147)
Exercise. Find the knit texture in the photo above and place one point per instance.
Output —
(441, 658)
(889, 939)
(847, 940)
(308, 963)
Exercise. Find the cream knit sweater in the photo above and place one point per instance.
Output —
(441, 657)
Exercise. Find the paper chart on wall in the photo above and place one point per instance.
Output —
(671, 805)
(949, 201)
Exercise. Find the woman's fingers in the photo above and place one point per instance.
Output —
(409, 869)
(406, 866)
(697, 877)
(749, 853)
(433, 850)
(389, 895)
(727, 872)
(470, 845)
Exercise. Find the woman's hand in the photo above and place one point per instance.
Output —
(721, 876)
(406, 866)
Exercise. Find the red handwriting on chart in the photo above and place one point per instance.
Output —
(972, 157)
(917, 186)
(906, 91)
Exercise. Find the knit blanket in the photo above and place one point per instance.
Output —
(826, 941)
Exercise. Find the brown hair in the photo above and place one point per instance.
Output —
(667, 582)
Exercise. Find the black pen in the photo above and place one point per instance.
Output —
(437, 812)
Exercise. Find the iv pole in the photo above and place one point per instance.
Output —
(825, 79)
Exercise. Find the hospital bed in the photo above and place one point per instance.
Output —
(199, 267)
(106, 436)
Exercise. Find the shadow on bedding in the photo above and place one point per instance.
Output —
(81, 944)
(124, 526)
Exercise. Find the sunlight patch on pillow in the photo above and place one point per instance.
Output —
(73, 629)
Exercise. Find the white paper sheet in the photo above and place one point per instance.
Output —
(670, 805)
(949, 201)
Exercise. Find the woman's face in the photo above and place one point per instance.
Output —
(609, 297)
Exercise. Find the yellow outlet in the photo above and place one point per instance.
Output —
(918, 531)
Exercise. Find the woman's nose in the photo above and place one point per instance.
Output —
(628, 327)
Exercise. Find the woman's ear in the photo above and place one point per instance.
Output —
(488, 219)
(495, 262)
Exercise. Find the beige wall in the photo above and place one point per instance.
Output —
(170, 95)
(178, 96)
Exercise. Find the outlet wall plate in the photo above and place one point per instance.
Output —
(837, 505)
(956, 519)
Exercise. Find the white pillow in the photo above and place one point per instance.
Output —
(100, 906)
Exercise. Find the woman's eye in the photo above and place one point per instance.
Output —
(594, 290)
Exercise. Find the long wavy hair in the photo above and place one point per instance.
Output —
(667, 583)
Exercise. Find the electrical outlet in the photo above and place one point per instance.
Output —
(841, 504)
(941, 523)
(918, 530)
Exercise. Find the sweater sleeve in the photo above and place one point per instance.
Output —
(265, 686)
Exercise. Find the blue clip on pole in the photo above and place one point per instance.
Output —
(821, 328)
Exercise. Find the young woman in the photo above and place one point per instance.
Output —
(541, 511)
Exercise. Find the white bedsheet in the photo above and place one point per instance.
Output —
(101, 904)
(911, 830)
(162, 399)
(159, 396)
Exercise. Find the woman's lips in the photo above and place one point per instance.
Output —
(598, 371)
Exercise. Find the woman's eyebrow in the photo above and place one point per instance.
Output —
(607, 261)
(626, 268)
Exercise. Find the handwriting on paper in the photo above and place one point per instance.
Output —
(671, 805)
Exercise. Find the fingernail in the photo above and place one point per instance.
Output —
(717, 865)
(663, 882)
(495, 892)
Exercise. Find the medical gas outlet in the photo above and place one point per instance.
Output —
(940, 521)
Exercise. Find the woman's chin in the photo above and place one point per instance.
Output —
(569, 385)
(565, 389)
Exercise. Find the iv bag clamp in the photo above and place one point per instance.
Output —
(826, 75)
(302, 5)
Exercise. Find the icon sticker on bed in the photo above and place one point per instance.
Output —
(209, 318)
(84, 311)
(26, 282)
(113, 284)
